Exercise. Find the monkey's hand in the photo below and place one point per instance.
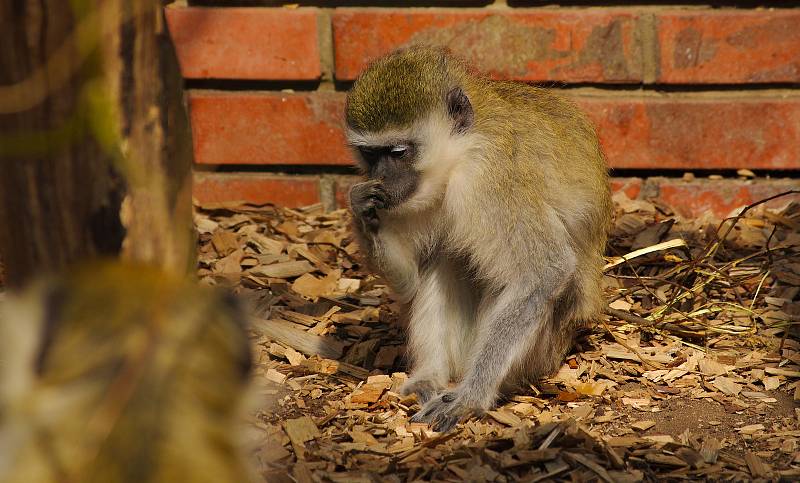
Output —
(365, 200)
(446, 410)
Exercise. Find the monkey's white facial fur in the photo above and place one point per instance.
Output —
(431, 151)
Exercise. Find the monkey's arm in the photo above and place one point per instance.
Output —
(383, 248)
(442, 321)
(516, 329)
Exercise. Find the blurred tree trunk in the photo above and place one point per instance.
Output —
(95, 153)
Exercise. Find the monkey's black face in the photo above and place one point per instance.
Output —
(394, 167)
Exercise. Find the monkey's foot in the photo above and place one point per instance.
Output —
(444, 411)
(423, 388)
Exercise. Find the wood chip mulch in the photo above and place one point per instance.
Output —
(694, 374)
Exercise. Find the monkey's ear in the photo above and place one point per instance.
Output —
(460, 110)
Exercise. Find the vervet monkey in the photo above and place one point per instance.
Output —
(486, 206)
(117, 373)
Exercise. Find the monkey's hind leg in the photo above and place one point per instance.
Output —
(440, 330)
(577, 306)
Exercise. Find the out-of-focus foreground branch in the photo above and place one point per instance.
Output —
(95, 154)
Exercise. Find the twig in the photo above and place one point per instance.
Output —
(642, 322)
(758, 289)
(713, 247)
(674, 243)
(625, 345)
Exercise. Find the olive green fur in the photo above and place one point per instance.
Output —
(398, 89)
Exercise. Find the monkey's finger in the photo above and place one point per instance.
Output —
(437, 407)
(447, 421)
(380, 203)
(447, 416)
(420, 417)
(379, 198)
(428, 413)
(373, 182)
(423, 395)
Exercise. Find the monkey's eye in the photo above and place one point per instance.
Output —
(369, 155)
(398, 151)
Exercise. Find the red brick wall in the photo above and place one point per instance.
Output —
(669, 88)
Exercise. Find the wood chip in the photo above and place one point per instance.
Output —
(710, 450)
(712, 368)
(505, 417)
(275, 376)
(643, 425)
(727, 386)
(660, 438)
(312, 287)
(525, 457)
(224, 242)
(771, 383)
(297, 317)
(664, 459)
(362, 437)
(230, 263)
(284, 269)
(299, 431)
(265, 244)
(287, 333)
(295, 358)
(588, 463)
(757, 467)
(751, 428)
(367, 393)
(777, 371)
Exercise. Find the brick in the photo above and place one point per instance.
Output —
(245, 43)
(284, 190)
(721, 197)
(580, 45)
(637, 132)
(729, 46)
(698, 132)
(630, 186)
(342, 189)
(688, 198)
(268, 128)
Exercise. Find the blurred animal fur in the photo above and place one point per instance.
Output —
(119, 373)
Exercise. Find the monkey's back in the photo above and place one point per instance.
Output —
(546, 168)
(552, 130)
(556, 154)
